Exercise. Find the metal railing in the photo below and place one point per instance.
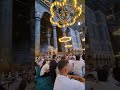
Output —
(46, 2)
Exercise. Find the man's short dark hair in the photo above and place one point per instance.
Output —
(62, 64)
(103, 75)
(77, 57)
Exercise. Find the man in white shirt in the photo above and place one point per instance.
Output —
(63, 81)
(79, 66)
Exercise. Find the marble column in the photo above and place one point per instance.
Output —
(55, 37)
(37, 31)
(78, 39)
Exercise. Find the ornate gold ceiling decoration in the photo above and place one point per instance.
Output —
(64, 14)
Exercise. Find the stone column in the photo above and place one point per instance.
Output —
(55, 37)
(78, 39)
(37, 31)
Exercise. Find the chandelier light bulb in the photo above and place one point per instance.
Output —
(65, 18)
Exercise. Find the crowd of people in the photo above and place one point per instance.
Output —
(70, 72)
(65, 72)
(106, 77)
(22, 80)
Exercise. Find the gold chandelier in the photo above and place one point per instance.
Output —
(65, 39)
(68, 46)
(64, 14)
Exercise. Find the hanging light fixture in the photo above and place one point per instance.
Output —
(64, 14)
(65, 39)
(68, 46)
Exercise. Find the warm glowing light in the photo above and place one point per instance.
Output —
(65, 18)
(83, 39)
(68, 46)
(83, 49)
(81, 32)
(79, 23)
(65, 39)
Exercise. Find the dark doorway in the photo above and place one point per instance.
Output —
(21, 34)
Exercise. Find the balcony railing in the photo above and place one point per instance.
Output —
(46, 2)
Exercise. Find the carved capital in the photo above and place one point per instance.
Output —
(38, 15)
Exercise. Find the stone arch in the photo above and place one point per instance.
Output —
(46, 19)
(45, 25)
(58, 31)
